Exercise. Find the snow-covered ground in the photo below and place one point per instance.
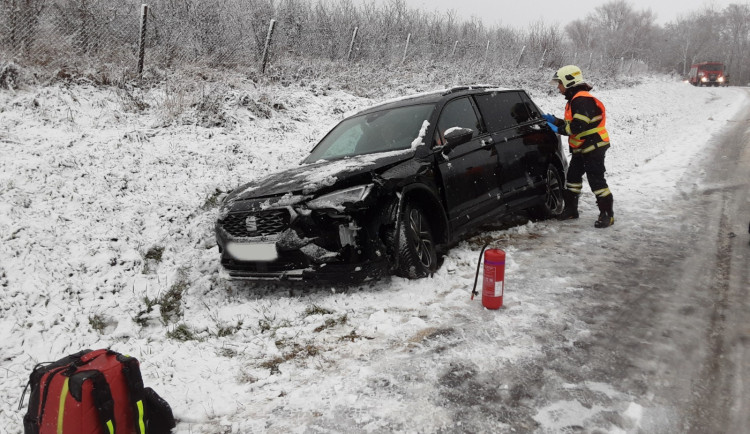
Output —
(107, 203)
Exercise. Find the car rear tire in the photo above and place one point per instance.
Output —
(553, 196)
(413, 244)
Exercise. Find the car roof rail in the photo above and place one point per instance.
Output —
(461, 88)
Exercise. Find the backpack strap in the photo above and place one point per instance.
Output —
(131, 370)
(61, 406)
(159, 416)
(102, 394)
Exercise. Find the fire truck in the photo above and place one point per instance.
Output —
(707, 74)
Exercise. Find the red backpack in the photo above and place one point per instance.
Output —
(94, 392)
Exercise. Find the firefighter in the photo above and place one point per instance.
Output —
(588, 142)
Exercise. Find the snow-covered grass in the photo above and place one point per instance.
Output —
(107, 203)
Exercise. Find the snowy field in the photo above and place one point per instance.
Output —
(107, 203)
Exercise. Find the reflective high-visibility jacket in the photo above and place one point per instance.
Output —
(585, 127)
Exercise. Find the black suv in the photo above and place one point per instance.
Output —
(391, 187)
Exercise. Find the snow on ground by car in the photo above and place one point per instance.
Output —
(107, 203)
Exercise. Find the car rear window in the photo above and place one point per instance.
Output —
(534, 112)
(502, 110)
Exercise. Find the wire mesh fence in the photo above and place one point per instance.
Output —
(96, 34)
(64, 33)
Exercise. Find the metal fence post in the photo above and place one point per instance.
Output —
(266, 48)
(408, 38)
(520, 56)
(142, 39)
(351, 44)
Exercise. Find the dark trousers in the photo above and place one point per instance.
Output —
(592, 164)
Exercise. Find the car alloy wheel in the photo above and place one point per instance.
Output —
(553, 196)
(421, 238)
(554, 203)
(414, 243)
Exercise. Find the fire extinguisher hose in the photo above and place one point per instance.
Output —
(476, 277)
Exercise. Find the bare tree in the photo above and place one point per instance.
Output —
(582, 34)
(615, 31)
(546, 42)
(737, 34)
(621, 31)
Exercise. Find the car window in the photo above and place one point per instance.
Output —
(531, 108)
(458, 113)
(501, 110)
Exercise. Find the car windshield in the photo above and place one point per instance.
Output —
(711, 67)
(382, 131)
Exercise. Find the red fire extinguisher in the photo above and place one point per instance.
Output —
(493, 283)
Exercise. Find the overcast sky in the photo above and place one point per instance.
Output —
(519, 13)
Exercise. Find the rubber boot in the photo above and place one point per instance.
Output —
(570, 211)
(606, 213)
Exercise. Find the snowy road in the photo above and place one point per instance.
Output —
(716, 274)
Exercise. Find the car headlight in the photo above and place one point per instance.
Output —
(337, 199)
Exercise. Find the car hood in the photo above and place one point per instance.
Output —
(309, 179)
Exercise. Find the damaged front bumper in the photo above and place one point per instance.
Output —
(271, 242)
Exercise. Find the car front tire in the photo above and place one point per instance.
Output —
(414, 244)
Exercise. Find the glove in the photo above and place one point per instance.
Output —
(552, 126)
(549, 118)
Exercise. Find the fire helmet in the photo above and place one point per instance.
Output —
(569, 76)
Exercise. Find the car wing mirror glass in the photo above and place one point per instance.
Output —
(456, 136)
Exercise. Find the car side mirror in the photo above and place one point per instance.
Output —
(456, 136)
